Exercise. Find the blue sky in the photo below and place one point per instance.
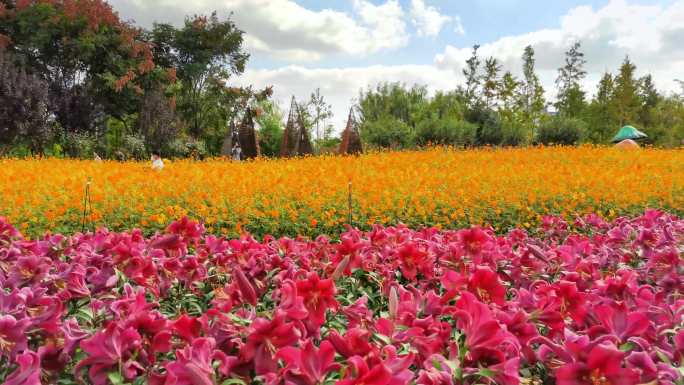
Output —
(343, 46)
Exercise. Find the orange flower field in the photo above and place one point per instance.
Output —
(310, 196)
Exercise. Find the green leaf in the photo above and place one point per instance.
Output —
(383, 338)
(626, 347)
(233, 381)
(115, 378)
(484, 372)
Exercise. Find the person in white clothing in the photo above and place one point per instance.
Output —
(157, 163)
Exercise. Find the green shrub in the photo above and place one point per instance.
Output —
(557, 130)
(447, 131)
(489, 129)
(387, 132)
(185, 147)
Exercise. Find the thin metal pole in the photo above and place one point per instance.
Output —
(350, 204)
(86, 200)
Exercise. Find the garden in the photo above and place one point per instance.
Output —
(490, 266)
(477, 235)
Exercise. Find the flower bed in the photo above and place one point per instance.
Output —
(504, 188)
(390, 306)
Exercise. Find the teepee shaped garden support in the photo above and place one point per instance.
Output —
(287, 145)
(351, 138)
(296, 141)
(249, 141)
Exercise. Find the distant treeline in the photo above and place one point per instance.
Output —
(495, 108)
(76, 80)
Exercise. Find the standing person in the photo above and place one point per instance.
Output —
(97, 157)
(157, 163)
(236, 152)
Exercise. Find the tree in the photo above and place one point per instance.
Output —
(508, 89)
(625, 99)
(490, 81)
(157, 121)
(319, 111)
(471, 73)
(649, 98)
(600, 115)
(24, 116)
(531, 96)
(90, 59)
(206, 52)
(270, 120)
(571, 100)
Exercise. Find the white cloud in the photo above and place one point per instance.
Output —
(650, 35)
(285, 29)
(458, 26)
(341, 86)
(427, 19)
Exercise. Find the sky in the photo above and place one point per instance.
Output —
(344, 46)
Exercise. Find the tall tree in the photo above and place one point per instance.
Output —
(625, 100)
(508, 89)
(320, 111)
(601, 117)
(89, 58)
(471, 73)
(490, 81)
(206, 52)
(648, 94)
(531, 95)
(571, 97)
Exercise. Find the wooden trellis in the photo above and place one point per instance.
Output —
(296, 141)
(249, 140)
(351, 137)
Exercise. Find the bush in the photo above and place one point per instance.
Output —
(134, 146)
(447, 131)
(489, 128)
(79, 145)
(514, 134)
(565, 131)
(186, 147)
(387, 132)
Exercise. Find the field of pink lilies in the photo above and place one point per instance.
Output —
(599, 304)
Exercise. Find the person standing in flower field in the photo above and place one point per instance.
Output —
(157, 163)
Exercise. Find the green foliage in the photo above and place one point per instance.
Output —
(387, 132)
(206, 52)
(560, 130)
(187, 147)
(447, 131)
(270, 128)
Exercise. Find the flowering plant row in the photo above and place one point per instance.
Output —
(505, 188)
(390, 306)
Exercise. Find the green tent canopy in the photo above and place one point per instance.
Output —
(629, 132)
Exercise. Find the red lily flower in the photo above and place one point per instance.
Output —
(319, 296)
(186, 228)
(603, 366)
(412, 259)
(28, 372)
(194, 364)
(291, 303)
(360, 374)
(308, 364)
(485, 284)
(12, 335)
(265, 338)
(186, 327)
(618, 320)
(106, 349)
(474, 241)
